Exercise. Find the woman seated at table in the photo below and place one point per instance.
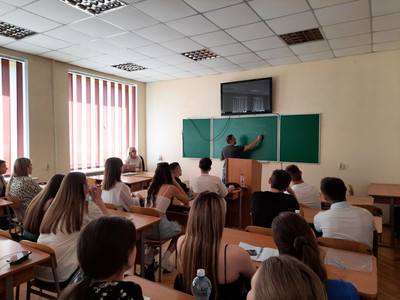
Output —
(22, 185)
(3, 184)
(67, 215)
(285, 278)
(133, 159)
(293, 236)
(114, 191)
(162, 189)
(106, 249)
(228, 267)
(38, 206)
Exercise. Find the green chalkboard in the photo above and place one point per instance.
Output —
(246, 131)
(299, 139)
(196, 138)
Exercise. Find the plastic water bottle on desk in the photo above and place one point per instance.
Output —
(201, 286)
(242, 180)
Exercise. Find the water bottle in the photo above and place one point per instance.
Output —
(201, 286)
(242, 180)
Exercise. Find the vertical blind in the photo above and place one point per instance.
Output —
(13, 111)
(101, 120)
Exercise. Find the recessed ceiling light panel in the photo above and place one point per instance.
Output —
(130, 67)
(304, 36)
(13, 31)
(201, 54)
(95, 7)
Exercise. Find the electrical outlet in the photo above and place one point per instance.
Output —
(341, 166)
(47, 166)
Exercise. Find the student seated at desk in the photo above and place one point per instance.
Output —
(176, 171)
(106, 249)
(228, 267)
(343, 220)
(113, 190)
(162, 188)
(68, 214)
(285, 278)
(37, 208)
(133, 159)
(293, 236)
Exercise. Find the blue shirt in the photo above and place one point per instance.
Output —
(339, 289)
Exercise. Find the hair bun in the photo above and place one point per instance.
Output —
(299, 241)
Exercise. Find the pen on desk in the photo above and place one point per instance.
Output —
(338, 263)
(259, 254)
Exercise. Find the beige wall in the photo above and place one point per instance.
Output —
(48, 112)
(358, 97)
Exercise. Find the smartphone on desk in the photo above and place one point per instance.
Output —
(252, 252)
(19, 257)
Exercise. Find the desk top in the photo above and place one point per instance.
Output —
(158, 291)
(4, 203)
(130, 179)
(141, 221)
(365, 282)
(384, 190)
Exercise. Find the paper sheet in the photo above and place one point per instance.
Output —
(262, 253)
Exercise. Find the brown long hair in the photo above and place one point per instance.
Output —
(293, 236)
(35, 211)
(201, 243)
(20, 168)
(286, 278)
(68, 206)
(162, 176)
(112, 172)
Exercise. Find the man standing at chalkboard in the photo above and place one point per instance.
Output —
(232, 151)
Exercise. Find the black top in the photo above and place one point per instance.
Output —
(115, 290)
(231, 151)
(183, 186)
(265, 206)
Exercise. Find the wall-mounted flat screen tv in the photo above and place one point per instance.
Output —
(246, 97)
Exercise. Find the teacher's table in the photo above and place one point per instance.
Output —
(135, 182)
(365, 282)
(143, 226)
(14, 275)
(156, 291)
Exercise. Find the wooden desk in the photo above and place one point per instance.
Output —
(145, 174)
(14, 275)
(365, 282)
(135, 182)
(143, 226)
(157, 291)
(234, 208)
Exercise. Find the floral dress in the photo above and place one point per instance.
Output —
(115, 290)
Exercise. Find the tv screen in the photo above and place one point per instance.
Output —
(246, 97)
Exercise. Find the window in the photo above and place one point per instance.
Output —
(13, 111)
(101, 120)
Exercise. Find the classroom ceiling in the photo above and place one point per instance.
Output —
(245, 34)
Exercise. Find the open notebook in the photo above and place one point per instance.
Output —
(259, 253)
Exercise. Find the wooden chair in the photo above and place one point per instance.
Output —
(110, 206)
(16, 222)
(345, 245)
(6, 234)
(259, 230)
(363, 200)
(52, 263)
(374, 210)
(155, 243)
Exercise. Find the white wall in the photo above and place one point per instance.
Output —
(358, 97)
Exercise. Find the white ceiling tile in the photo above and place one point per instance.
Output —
(96, 27)
(386, 46)
(278, 8)
(128, 18)
(108, 70)
(250, 32)
(164, 77)
(265, 44)
(316, 56)
(205, 72)
(193, 65)
(129, 55)
(310, 47)
(275, 53)
(70, 35)
(203, 6)
(193, 25)
(27, 48)
(244, 58)
(174, 59)
(152, 63)
(352, 51)
(5, 8)
(102, 46)
(85, 63)
(46, 41)
(154, 51)
(351, 41)
(229, 69)
(168, 69)
(231, 49)
(383, 7)
(232, 16)
(212, 39)
(29, 21)
(322, 3)
(386, 36)
(148, 72)
(283, 61)
(347, 29)
(60, 56)
(216, 62)
(255, 65)
(60, 11)
(293, 23)
(80, 51)
(182, 45)
(128, 40)
(165, 11)
(343, 13)
(4, 40)
(182, 75)
(159, 33)
(386, 22)
(108, 60)
(18, 2)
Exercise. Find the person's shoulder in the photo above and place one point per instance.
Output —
(340, 289)
(236, 253)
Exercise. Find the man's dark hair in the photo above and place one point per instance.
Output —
(334, 189)
(280, 179)
(173, 166)
(229, 138)
(205, 163)
(294, 172)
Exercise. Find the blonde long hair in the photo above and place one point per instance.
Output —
(20, 168)
(200, 246)
(68, 206)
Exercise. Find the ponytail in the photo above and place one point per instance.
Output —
(77, 291)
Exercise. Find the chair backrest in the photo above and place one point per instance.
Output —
(259, 230)
(143, 166)
(345, 245)
(374, 210)
(110, 206)
(364, 200)
(42, 248)
(148, 211)
(16, 206)
(350, 190)
(6, 234)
